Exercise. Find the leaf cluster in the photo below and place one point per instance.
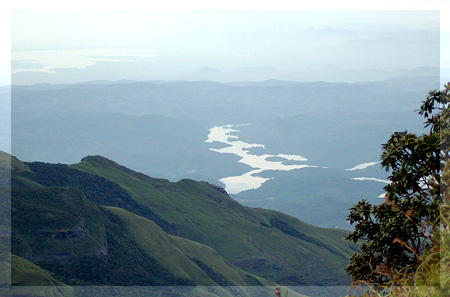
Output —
(397, 233)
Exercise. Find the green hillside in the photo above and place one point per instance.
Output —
(99, 223)
(193, 260)
(28, 279)
(26, 273)
(76, 239)
(251, 239)
(79, 241)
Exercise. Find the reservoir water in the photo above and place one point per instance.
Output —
(258, 163)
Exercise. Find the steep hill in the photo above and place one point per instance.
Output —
(96, 222)
(79, 241)
(182, 257)
(266, 243)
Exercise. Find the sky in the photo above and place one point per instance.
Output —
(53, 37)
(87, 39)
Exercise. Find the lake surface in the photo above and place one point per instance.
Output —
(258, 163)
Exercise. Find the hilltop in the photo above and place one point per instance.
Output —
(99, 223)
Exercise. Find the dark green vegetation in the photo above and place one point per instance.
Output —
(404, 230)
(99, 223)
(5, 233)
(96, 188)
(79, 241)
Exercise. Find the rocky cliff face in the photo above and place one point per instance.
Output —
(55, 224)
(67, 256)
(80, 232)
(220, 189)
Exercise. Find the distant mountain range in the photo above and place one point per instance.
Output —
(160, 129)
(327, 74)
(99, 223)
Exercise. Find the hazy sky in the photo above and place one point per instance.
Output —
(167, 37)
(168, 44)
(190, 32)
(171, 44)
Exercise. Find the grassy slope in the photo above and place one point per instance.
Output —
(169, 249)
(27, 273)
(8, 162)
(56, 204)
(102, 253)
(31, 280)
(154, 241)
(40, 209)
(212, 259)
(242, 236)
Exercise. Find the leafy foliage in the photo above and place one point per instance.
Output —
(397, 233)
(432, 277)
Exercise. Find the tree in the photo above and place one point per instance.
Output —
(396, 233)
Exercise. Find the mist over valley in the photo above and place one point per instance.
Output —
(318, 131)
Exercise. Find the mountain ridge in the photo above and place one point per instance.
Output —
(209, 200)
(219, 241)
